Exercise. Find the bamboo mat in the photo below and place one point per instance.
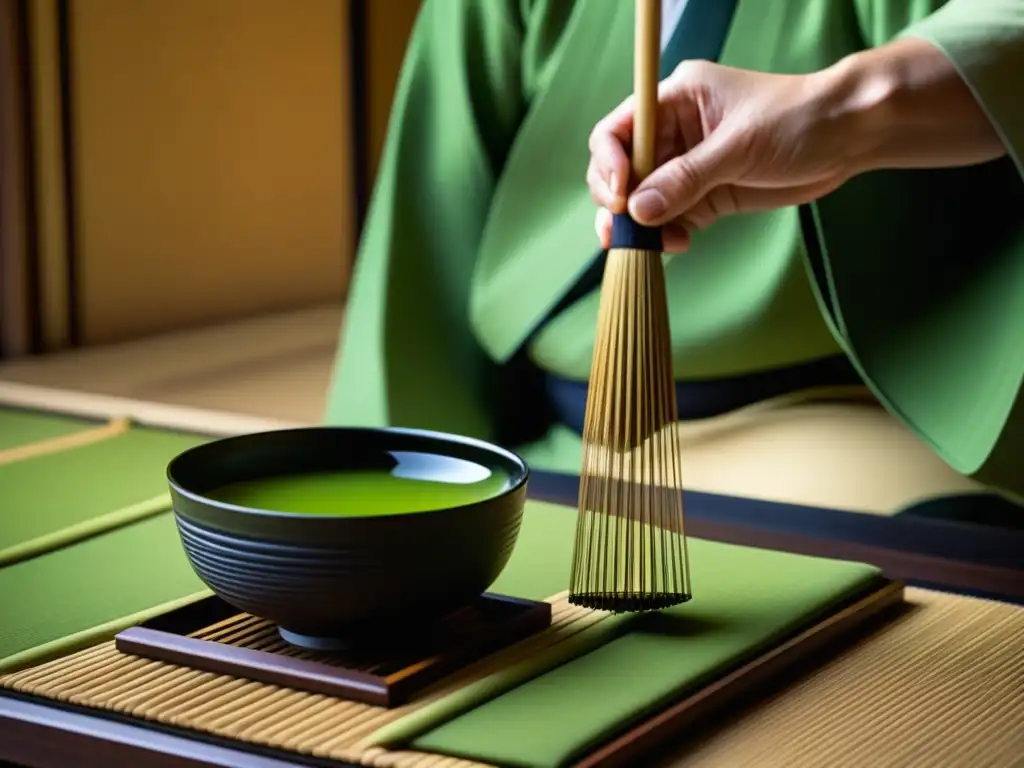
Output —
(942, 685)
(268, 715)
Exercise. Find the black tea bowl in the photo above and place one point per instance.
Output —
(330, 582)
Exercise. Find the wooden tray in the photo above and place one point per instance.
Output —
(212, 636)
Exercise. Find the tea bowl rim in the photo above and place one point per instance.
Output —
(519, 477)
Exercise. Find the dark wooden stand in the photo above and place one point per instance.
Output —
(492, 623)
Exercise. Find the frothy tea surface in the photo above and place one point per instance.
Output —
(420, 483)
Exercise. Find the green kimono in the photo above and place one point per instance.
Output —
(481, 221)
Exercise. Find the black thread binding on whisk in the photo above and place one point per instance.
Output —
(627, 233)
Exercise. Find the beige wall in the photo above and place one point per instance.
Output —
(211, 160)
(211, 157)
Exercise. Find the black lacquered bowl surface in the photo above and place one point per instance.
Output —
(342, 577)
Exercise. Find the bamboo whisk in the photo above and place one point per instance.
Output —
(630, 548)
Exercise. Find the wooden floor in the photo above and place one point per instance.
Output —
(275, 366)
(279, 367)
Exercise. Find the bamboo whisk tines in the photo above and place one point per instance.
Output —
(630, 549)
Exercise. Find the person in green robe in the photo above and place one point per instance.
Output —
(848, 316)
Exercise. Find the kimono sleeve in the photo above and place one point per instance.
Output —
(407, 355)
(921, 273)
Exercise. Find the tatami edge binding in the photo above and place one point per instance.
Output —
(142, 413)
(86, 638)
(86, 529)
(62, 443)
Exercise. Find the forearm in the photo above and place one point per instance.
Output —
(904, 105)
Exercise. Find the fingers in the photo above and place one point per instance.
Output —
(603, 226)
(678, 185)
(608, 173)
(601, 191)
(675, 237)
(729, 199)
(720, 202)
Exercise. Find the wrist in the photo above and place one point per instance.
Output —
(863, 101)
(904, 105)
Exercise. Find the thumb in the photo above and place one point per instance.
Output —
(676, 186)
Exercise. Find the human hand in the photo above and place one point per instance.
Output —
(731, 140)
(728, 140)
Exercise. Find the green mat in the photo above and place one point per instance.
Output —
(58, 498)
(743, 600)
(88, 590)
(19, 427)
(64, 599)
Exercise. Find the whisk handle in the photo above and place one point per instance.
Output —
(626, 233)
(646, 64)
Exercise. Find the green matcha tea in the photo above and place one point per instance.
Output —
(418, 485)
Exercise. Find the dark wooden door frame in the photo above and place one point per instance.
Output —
(359, 75)
(371, 89)
(20, 321)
